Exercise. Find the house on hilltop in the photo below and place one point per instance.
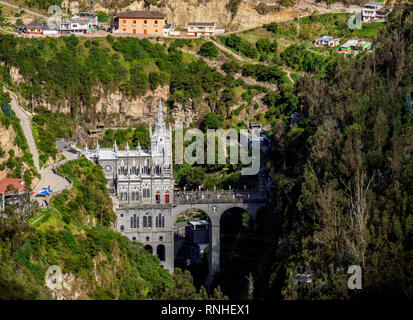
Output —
(374, 11)
(140, 22)
(198, 29)
(11, 191)
(326, 41)
(34, 28)
(355, 46)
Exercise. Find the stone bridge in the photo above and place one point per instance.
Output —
(214, 204)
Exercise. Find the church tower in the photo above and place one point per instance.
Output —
(161, 140)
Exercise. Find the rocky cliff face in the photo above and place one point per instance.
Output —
(232, 15)
(7, 137)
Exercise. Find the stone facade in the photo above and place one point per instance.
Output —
(141, 182)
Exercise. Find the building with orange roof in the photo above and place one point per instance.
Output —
(144, 22)
(7, 196)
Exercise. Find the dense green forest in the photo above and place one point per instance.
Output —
(71, 71)
(75, 234)
(343, 176)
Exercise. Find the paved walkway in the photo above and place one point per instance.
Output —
(24, 118)
(48, 178)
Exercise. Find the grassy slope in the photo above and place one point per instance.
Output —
(105, 264)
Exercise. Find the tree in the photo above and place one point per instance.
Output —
(208, 50)
(13, 222)
(211, 121)
(272, 27)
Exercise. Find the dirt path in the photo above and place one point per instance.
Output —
(218, 64)
(24, 8)
(242, 59)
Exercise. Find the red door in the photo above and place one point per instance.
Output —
(134, 31)
(145, 31)
(167, 198)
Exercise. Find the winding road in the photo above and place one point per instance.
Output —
(25, 117)
(48, 178)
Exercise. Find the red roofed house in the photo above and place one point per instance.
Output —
(7, 197)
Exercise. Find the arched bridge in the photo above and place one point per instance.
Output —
(214, 204)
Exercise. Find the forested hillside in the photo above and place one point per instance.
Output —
(344, 178)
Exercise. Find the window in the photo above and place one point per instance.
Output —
(124, 21)
(160, 251)
(156, 30)
(145, 22)
(160, 221)
(146, 193)
(124, 29)
(147, 238)
(145, 222)
(150, 222)
(134, 222)
(160, 238)
(148, 247)
(121, 215)
(122, 228)
(133, 238)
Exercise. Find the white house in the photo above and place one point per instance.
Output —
(198, 29)
(374, 11)
(167, 28)
(326, 41)
(74, 27)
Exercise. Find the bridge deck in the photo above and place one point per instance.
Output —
(204, 197)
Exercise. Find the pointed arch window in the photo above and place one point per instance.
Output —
(150, 222)
(145, 222)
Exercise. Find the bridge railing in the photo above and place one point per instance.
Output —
(219, 196)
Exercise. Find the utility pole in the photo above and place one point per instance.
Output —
(298, 26)
(101, 213)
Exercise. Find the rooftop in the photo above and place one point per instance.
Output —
(15, 182)
(141, 14)
(201, 24)
(50, 27)
(350, 43)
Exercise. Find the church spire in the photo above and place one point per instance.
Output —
(160, 112)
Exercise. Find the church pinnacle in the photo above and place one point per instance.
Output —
(160, 112)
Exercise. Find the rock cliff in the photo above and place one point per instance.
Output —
(233, 15)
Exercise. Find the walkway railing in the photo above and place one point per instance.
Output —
(61, 175)
(219, 197)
